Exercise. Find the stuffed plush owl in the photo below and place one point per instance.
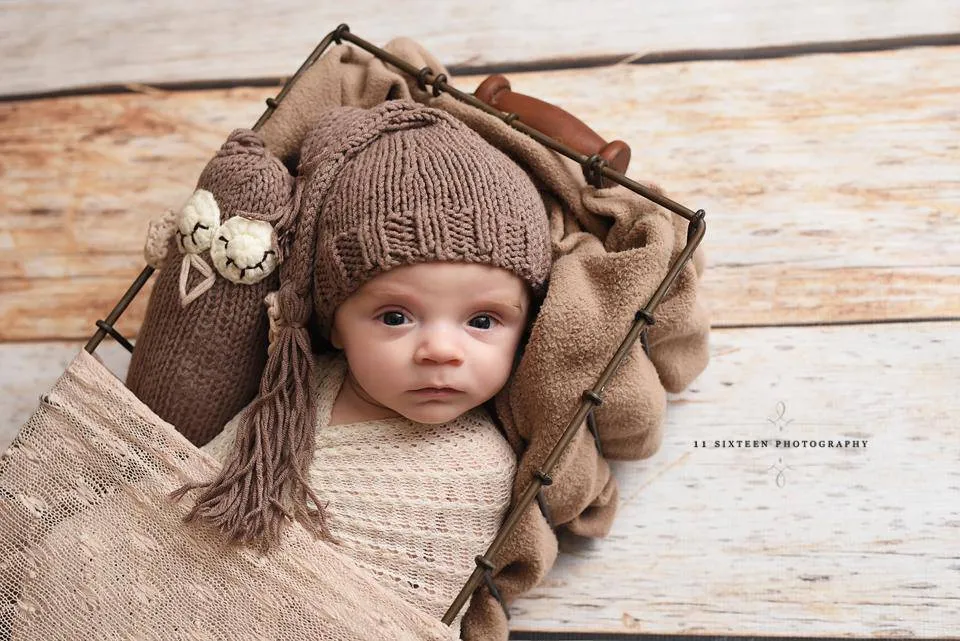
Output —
(202, 347)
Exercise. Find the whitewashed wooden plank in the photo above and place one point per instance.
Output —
(831, 183)
(52, 45)
(31, 369)
(858, 542)
(852, 542)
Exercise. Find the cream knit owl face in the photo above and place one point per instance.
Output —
(243, 250)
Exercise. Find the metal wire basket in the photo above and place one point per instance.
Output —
(596, 170)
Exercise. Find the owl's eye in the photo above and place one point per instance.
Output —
(245, 251)
(197, 222)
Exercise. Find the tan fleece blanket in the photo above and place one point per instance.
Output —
(611, 250)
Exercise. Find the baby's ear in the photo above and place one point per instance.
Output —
(318, 342)
(335, 338)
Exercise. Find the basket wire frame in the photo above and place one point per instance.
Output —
(595, 169)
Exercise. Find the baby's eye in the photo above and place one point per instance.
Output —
(482, 321)
(393, 318)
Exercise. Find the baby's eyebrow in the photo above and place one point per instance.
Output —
(501, 302)
(508, 303)
(386, 291)
(494, 300)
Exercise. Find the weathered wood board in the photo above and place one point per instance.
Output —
(50, 46)
(851, 541)
(31, 369)
(761, 540)
(834, 199)
(832, 190)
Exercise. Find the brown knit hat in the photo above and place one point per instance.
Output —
(202, 346)
(394, 185)
(418, 186)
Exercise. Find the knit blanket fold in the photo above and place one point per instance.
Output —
(410, 503)
(91, 548)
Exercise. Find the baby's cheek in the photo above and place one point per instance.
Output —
(379, 375)
(495, 373)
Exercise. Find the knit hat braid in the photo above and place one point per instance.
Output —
(394, 185)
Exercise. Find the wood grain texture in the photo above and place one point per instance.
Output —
(31, 369)
(52, 45)
(85, 175)
(859, 542)
(831, 182)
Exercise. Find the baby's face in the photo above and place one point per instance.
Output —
(420, 327)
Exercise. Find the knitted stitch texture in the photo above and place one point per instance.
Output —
(91, 549)
(419, 186)
(197, 365)
(448, 195)
(411, 503)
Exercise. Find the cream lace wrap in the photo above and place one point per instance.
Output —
(411, 503)
(91, 549)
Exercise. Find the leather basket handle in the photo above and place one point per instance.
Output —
(555, 122)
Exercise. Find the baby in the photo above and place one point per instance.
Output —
(421, 251)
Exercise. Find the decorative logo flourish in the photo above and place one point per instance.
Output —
(781, 479)
(779, 421)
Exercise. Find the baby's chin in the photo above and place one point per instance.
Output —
(435, 415)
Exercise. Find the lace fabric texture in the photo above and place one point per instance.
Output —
(91, 548)
(412, 504)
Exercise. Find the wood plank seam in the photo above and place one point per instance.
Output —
(836, 323)
(788, 178)
(552, 64)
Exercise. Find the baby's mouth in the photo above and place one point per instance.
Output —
(436, 391)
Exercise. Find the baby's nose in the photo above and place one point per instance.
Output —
(440, 345)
